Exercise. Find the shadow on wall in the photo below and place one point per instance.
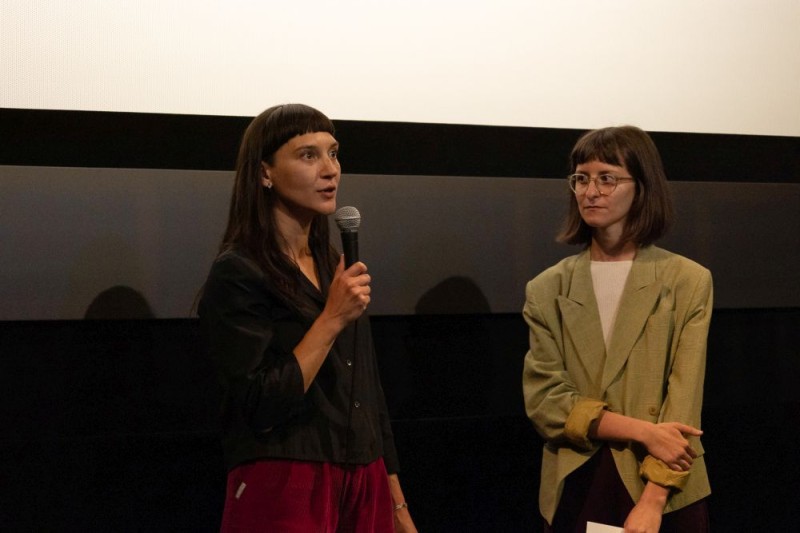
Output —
(462, 397)
(445, 355)
(452, 296)
(118, 303)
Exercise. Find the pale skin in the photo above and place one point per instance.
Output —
(607, 215)
(305, 174)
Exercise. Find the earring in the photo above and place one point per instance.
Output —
(268, 184)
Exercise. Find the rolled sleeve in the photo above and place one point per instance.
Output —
(658, 472)
(576, 429)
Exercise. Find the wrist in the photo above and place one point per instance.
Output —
(643, 430)
(654, 495)
(329, 325)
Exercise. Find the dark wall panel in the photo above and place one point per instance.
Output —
(141, 240)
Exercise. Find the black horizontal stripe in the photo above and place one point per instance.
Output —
(207, 142)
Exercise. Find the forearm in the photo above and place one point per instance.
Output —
(655, 496)
(313, 348)
(348, 297)
(610, 426)
(665, 441)
(397, 493)
(647, 513)
(402, 518)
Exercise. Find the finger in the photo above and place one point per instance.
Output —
(677, 466)
(357, 268)
(689, 430)
(362, 281)
(339, 267)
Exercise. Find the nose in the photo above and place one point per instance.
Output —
(331, 166)
(593, 182)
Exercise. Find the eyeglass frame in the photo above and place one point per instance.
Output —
(590, 179)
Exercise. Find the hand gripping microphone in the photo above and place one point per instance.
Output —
(349, 219)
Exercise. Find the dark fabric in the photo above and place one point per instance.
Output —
(300, 497)
(595, 493)
(251, 333)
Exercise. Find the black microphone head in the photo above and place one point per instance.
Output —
(347, 218)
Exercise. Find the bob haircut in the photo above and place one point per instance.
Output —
(251, 216)
(651, 212)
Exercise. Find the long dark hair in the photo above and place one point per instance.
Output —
(251, 218)
(651, 213)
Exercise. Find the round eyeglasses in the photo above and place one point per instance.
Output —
(605, 183)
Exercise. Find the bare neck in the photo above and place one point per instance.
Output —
(294, 235)
(610, 250)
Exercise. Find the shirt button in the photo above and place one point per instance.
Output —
(349, 362)
(357, 404)
(653, 411)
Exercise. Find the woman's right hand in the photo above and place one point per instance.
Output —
(667, 441)
(348, 297)
(349, 293)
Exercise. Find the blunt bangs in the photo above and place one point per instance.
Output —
(598, 145)
(287, 121)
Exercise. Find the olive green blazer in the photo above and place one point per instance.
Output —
(653, 369)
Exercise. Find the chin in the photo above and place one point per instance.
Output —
(591, 221)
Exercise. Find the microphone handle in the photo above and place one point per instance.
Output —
(350, 247)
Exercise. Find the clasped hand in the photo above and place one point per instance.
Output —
(667, 441)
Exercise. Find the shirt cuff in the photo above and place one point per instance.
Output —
(658, 472)
(576, 429)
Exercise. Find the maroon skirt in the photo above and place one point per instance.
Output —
(300, 497)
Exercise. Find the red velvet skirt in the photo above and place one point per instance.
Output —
(298, 496)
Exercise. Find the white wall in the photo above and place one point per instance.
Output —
(716, 66)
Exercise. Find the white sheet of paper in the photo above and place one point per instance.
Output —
(594, 527)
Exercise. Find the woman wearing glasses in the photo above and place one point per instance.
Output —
(613, 380)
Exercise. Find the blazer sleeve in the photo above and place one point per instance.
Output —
(240, 318)
(684, 399)
(552, 401)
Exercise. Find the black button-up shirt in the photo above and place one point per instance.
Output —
(252, 332)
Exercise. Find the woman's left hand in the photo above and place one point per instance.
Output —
(403, 522)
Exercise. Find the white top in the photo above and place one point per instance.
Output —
(608, 279)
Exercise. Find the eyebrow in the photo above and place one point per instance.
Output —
(315, 147)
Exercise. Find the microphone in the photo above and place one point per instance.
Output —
(349, 219)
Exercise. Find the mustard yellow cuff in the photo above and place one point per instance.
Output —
(583, 413)
(658, 472)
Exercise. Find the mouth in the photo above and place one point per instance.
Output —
(328, 191)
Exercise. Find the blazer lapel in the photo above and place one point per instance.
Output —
(639, 298)
(582, 322)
